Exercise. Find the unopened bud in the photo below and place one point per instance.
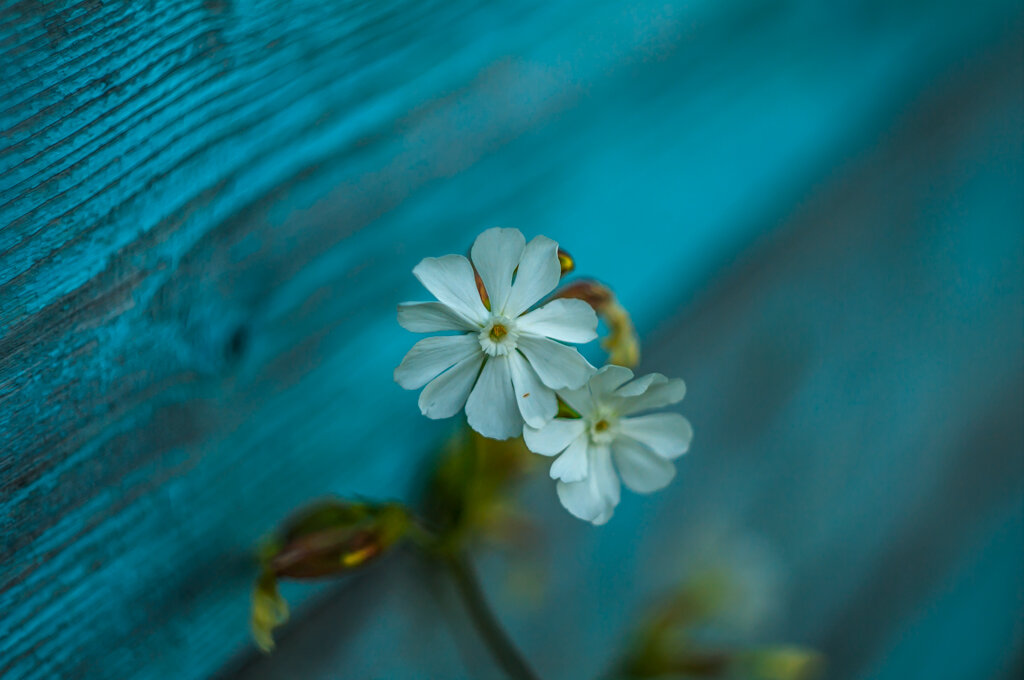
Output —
(566, 261)
(622, 342)
(336, 536)
(594, 293)
(330, 538)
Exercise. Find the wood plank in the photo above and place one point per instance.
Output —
(210, 209)
(856, 452)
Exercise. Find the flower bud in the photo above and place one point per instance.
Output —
(335, 537)
(566, 261)
(326, 539)
(622, 342)
(594, 293)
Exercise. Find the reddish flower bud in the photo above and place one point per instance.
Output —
(326, 539)
(334, 537)
(622, 342)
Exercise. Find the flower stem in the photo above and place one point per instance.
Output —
(497, 640)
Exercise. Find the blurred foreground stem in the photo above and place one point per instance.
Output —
(497, 640)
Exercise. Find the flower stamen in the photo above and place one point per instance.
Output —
(499, 337)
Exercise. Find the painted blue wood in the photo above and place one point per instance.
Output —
(857, 450)
(209, 209)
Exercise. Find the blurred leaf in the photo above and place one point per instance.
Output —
(782, 663)
(667, 644)
(468, 494)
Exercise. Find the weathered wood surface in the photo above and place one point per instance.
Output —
(210, 209)
(858, 449)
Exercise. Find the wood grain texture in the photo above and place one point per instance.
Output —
(210, 208)
(856, 453)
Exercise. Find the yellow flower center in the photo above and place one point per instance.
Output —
(603, 429)
(498, 337)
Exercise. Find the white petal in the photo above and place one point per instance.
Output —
(607, 482)
(553, 437)
(496, 254)
(565, 320)
(582, 499)
(491, 409)
(430, 317)
(641, 469)
(593, 499)
(536, 401)
(559, 366)
(640, 385)
(650, 391)
(539, 272)
(579, 399)
(450, 279)
(430, 356)
(667, 434)
(447, 393)
(572, 465)
(608, 379)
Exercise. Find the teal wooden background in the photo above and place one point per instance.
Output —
(209, 210)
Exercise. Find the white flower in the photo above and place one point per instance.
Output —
(642, 447)
(503, 363)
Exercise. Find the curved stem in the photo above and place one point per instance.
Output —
(503, 649)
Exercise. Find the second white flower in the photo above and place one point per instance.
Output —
(609, 429)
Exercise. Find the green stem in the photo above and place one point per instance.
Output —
(497, 640)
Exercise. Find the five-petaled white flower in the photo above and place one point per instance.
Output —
(503, 363)
(642, 446)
